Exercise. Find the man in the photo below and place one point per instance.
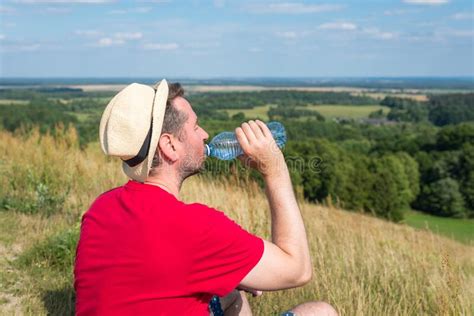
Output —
(144, 252)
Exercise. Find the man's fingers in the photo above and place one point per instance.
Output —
(256, 129)
(257, 293)
(249, 133)
(251, 291)
(260, 147)
(264, 128)
(242, 138)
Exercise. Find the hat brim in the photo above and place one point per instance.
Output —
(140, 172)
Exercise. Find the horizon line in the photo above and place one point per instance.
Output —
(248, 77)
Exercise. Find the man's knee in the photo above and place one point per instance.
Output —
(314, 308)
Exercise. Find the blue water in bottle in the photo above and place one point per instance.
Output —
(225, 145)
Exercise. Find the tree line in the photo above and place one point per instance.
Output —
(439, 109)
(420, 162)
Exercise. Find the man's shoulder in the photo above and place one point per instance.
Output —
(206, 213)
(103, 200)
(107, 194)
(202, 209)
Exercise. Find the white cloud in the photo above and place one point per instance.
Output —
(202, 45)
(107, 42)
(426, 2)
(154, 1)
(6, 10)
(255, 49)
(340, 26)
(293, 8)
(64, 1)
(460, 33)
(446, 34)
(398, 12)
(134, 10)
(199, 53)
(417, 38)
(426, 24)
(219, 3)
(128, 36)
(4, 25)
(56, 10)
(463, 16)
(16, 46)
(117, 12)
(114, 40)
(376, 33)
(88, 33)
(392, 12)
(435, 35)
(142, 9)
(29, 47)
(160, 46)
(287, 35)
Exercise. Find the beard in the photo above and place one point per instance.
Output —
(191, 165)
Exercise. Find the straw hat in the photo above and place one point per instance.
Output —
(130, 127)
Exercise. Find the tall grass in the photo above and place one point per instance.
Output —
(362, 265)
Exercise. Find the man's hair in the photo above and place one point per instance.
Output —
(173, 120)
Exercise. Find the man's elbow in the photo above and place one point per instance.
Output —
(306, 276)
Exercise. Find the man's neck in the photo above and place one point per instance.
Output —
(169, 184)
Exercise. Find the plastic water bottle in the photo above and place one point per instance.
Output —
(225, 145)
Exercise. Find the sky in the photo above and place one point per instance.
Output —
(222, 38)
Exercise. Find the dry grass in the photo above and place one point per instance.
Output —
(362, 265)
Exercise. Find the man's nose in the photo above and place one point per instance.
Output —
(206, 135)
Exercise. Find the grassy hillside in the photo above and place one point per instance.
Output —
(362, 265)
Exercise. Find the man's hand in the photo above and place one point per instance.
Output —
(254, 293)
(260, 150)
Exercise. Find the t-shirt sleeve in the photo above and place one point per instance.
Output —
(222, 254)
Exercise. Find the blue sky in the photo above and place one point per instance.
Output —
(221, 38)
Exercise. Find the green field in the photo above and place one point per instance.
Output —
(257, 112)
(11, 101)
(348, 111)
(459, 229)
(328, 111)
(82, 117)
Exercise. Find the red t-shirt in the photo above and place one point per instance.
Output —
(143, 252)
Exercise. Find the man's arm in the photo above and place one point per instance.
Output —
(286, 261)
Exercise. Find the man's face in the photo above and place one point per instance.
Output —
(193, 140)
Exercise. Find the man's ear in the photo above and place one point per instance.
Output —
(167, 147)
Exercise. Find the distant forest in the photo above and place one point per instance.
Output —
(465, 83)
